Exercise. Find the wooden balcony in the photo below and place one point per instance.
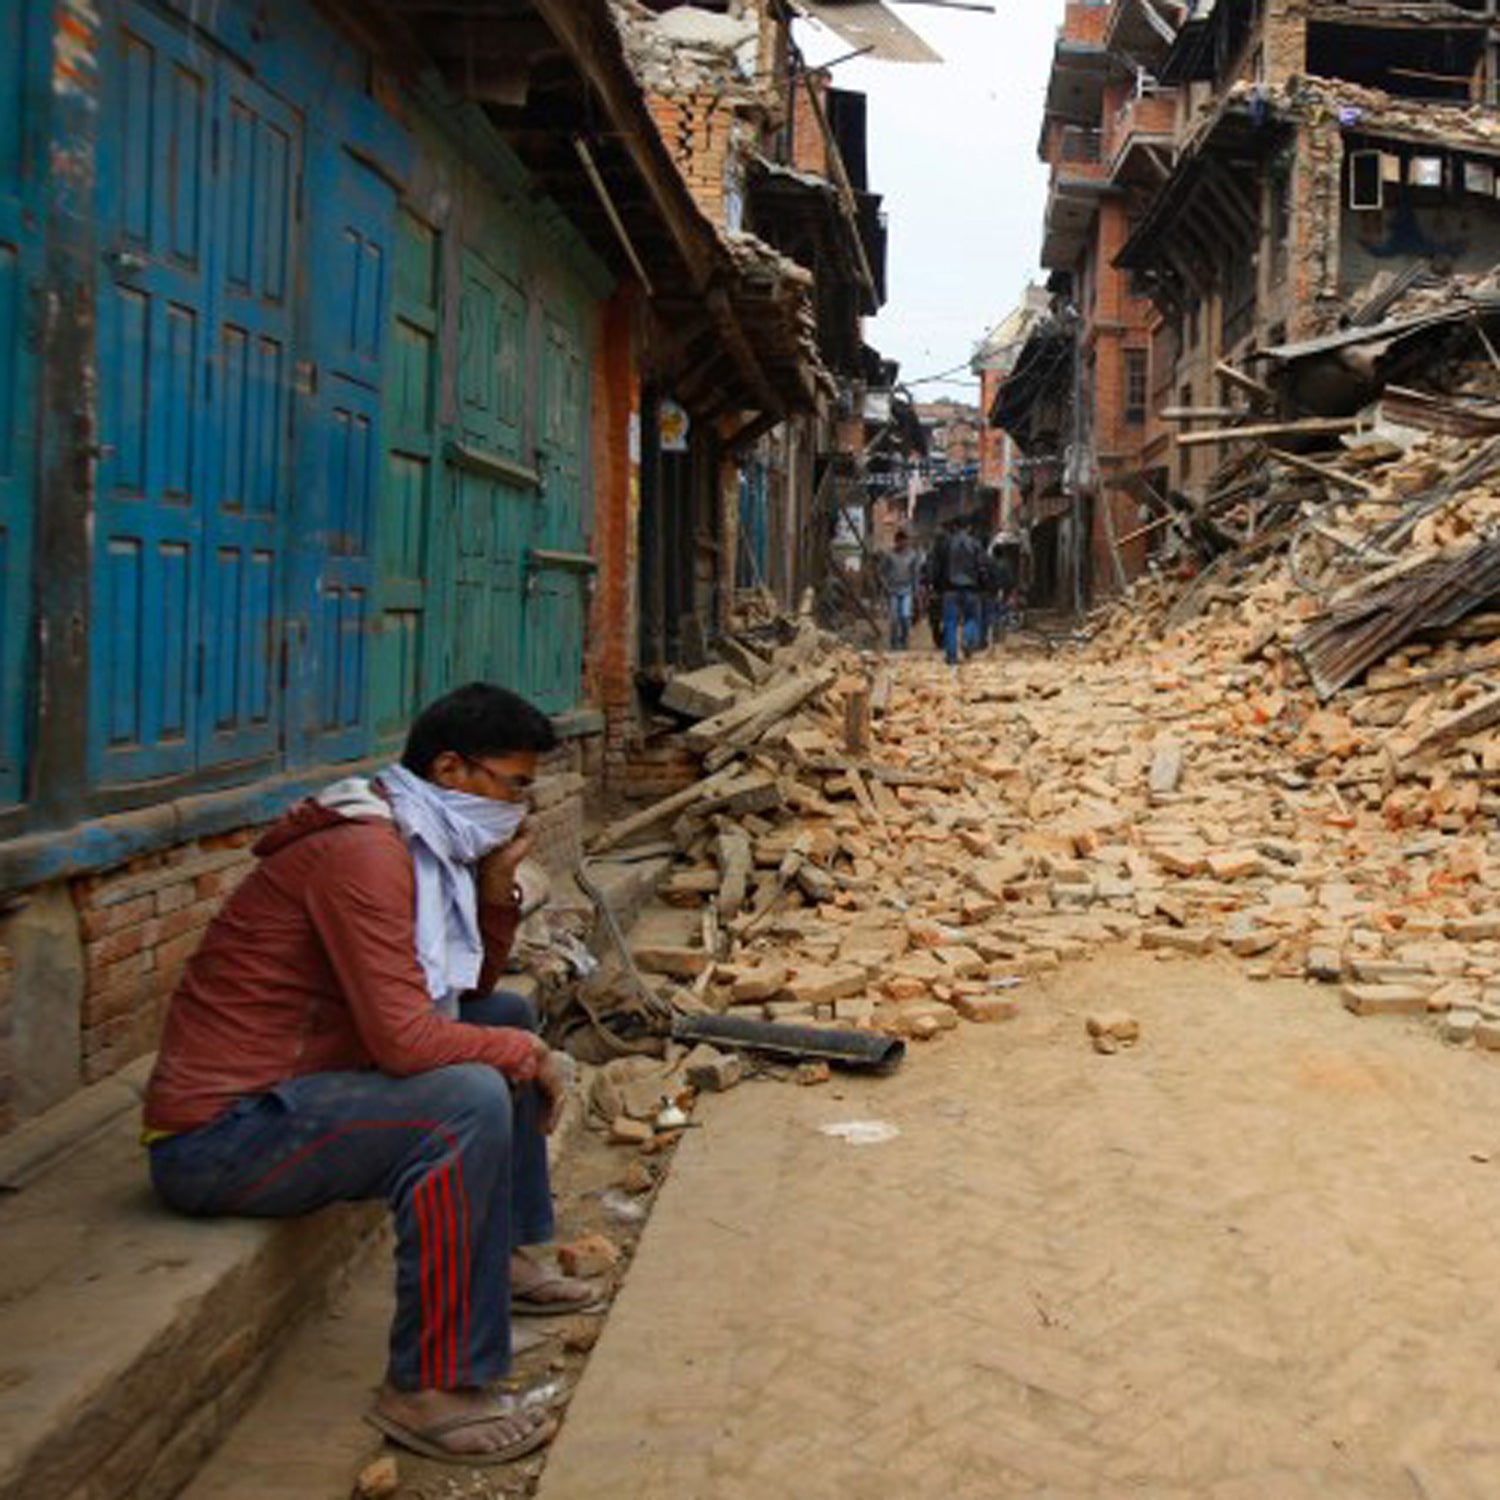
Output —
(1139, 137)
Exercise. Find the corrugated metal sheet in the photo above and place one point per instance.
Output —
(868, 23)
(1407, 408)
(1342, 645)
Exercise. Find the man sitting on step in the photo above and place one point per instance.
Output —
(336, 1037)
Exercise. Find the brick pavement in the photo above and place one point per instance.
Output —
(1250, 1260)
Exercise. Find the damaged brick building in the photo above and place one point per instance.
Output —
(775, 157)
(1232, 176)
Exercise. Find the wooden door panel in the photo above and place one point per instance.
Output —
(257, 227)
(154, 315)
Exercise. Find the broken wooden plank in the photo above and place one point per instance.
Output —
(1425, 679)
(745, 659)
(732, 851)
(1247, 383)
(692, 882)
(755, 791)
(1324, 471)
(857, 721)
(1349, 638)
(648, 817)
(1147, 529)
(774, 711)
(831, 765)
(862, 796)
(1201, 413)
(751, 716)
(816, 883)
(1300, 427)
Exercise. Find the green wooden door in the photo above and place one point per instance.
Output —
(557, 586)
(491, 508)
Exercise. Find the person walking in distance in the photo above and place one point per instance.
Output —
(963, 560)
(898, 574)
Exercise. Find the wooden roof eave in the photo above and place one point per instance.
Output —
(589, 35)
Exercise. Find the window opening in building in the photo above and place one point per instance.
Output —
(1137, 388)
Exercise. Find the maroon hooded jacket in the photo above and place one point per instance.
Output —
(311, 967)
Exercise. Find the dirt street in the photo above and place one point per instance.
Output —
(1251, 1257)
(1248, 1257)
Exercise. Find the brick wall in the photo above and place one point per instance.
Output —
(1119, 322)
(140, 924)
(610, 657)
(1283, 42)
(1314, 270)
(556, 821)
(1085, 20)
(659, 769)
(809, 149)
(698, 129)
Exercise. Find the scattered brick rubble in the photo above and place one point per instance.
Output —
(899, 846)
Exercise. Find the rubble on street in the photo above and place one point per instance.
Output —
(1180, 784)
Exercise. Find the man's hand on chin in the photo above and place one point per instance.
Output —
(497, 870)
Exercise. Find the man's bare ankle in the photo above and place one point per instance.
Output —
(430, 1398)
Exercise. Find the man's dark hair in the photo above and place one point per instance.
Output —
(473, 720)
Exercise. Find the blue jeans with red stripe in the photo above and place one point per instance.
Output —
(457, 1154)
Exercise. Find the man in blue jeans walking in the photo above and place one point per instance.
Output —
(898, 574)
(959, 570)
(337, 1036)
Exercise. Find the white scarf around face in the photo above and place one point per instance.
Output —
(448, 833)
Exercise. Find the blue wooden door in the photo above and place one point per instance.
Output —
(352, 223)
(251, 387)
(155, 331)
(400, 676)
(198, 175)
(25, 32)
(752, 564)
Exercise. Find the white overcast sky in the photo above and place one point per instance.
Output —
(953, 149)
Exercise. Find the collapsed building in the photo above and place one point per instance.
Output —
(994, 362)
(1232, 178)
(775, 156)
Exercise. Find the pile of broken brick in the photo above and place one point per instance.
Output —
(798, 848)
(1320, 708)
(1301, 771)
(1193, 799)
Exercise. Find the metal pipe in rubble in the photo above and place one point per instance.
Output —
(867, 1051)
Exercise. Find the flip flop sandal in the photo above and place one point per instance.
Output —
(426, 1441)
(524, 1339)
(528, 1305)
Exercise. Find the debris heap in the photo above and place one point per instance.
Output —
(1290, 755)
